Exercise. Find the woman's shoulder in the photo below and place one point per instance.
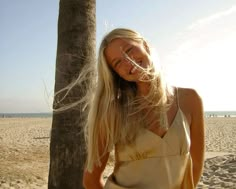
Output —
(188, 94)
(190, 101)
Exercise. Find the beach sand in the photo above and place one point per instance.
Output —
(24, 153)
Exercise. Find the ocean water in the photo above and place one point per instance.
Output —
(220, 113)
(49, 114)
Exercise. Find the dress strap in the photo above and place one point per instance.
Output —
(177, 97)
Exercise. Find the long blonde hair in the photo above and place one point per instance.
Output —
(113, 106)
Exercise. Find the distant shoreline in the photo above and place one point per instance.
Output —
(220, 113)
(49, 114)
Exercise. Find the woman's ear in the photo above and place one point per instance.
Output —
(146, 46)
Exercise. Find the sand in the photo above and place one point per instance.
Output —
(24, 157)
(220, 159)
(24, 152)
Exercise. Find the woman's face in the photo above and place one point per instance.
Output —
(121, 52)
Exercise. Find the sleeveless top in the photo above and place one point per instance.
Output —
(154, 162)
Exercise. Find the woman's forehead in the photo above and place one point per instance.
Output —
(115, 48)
(119, 44)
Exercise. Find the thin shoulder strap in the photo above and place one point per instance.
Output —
(177, 96)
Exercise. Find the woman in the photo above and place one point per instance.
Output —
(149, 124)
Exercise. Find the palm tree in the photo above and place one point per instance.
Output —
(75, 48)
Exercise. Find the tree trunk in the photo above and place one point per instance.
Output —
(75, 48)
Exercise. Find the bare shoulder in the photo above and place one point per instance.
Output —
(188, 92)
(190, 103)
(189, 96)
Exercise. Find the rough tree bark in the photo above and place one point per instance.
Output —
(75, 48)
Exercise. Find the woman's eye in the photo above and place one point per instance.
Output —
(117, 63)
(128, 50)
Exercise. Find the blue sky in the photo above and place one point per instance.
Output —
(195, 41)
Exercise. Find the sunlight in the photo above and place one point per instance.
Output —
(203, 57)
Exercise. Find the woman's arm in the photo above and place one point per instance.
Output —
(197, 133)
(94, 179)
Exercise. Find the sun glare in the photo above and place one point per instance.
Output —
(204, 59)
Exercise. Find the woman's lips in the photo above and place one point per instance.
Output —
(133, 70)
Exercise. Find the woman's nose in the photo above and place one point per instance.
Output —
(129, 59)
(126, 61)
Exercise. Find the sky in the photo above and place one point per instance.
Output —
(195, 42)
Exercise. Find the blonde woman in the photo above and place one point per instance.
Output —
(157, 131)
